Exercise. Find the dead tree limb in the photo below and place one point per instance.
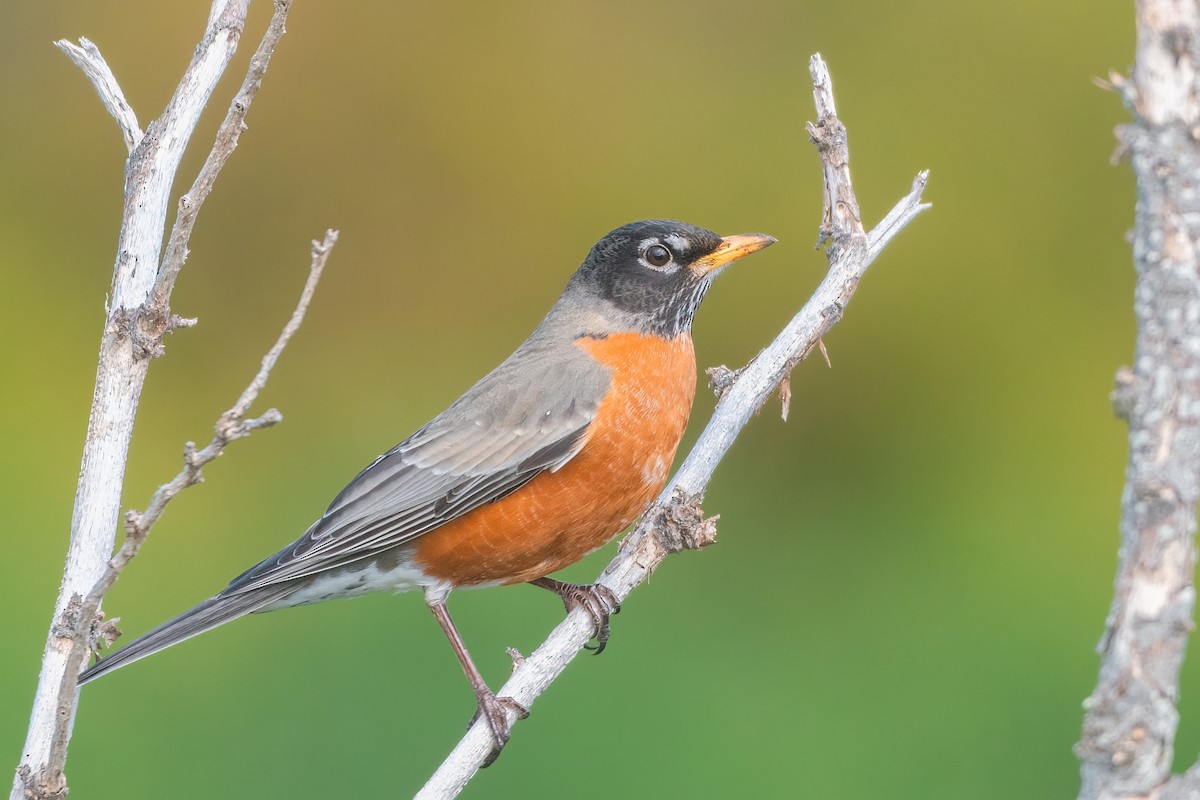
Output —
(1131, 717)
(137, 319)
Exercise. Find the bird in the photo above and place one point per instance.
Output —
(543, 461)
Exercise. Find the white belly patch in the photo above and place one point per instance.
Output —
(355, 581)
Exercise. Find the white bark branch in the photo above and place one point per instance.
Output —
(126, 346)
(87, 57)
(675, 521)
(1131, 718)
(226, 142)
(230, 426)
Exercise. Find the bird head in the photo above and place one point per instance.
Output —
(653, 274)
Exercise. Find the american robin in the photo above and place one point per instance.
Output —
(543, 461)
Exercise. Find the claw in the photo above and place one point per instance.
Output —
(493, 709)
(596, 599)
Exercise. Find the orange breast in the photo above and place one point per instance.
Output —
(559, 517)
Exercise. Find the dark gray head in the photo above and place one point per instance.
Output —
(656, 272)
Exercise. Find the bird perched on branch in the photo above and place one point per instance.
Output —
(541, 462)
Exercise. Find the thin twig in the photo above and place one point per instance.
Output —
(87, 57)
(675, 520)
(225, 143)
(229, 426)
(320, 252)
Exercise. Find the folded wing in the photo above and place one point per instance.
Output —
(493, 440)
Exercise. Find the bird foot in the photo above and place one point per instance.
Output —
(597, 600)
(494, 709)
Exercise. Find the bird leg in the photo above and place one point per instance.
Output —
(492, 708)
(597, 600)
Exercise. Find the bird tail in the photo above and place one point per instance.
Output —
(207, 615)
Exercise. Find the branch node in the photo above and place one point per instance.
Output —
(720, 378)
(515, 655)
(68, 621)
(135, 527)
(681, 524)
(1124, 395)
(106, 634)
(48, 785)
(229, 426)
(145, 328)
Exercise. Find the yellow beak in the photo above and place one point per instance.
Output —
(731, 249)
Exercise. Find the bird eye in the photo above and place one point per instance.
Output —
(657, 256)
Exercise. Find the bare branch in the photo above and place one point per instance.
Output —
(320, 252)
(829, 134)
(120, 375)
(675, 520)
(87, 57)
(899, 217)
(229, 426)
(1131, 717)
(224, 145)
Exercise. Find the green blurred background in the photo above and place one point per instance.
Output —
(912, 572)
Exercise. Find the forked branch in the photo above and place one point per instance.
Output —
(87, 632)
(138, 317)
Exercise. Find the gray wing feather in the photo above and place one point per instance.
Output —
(494, 439)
